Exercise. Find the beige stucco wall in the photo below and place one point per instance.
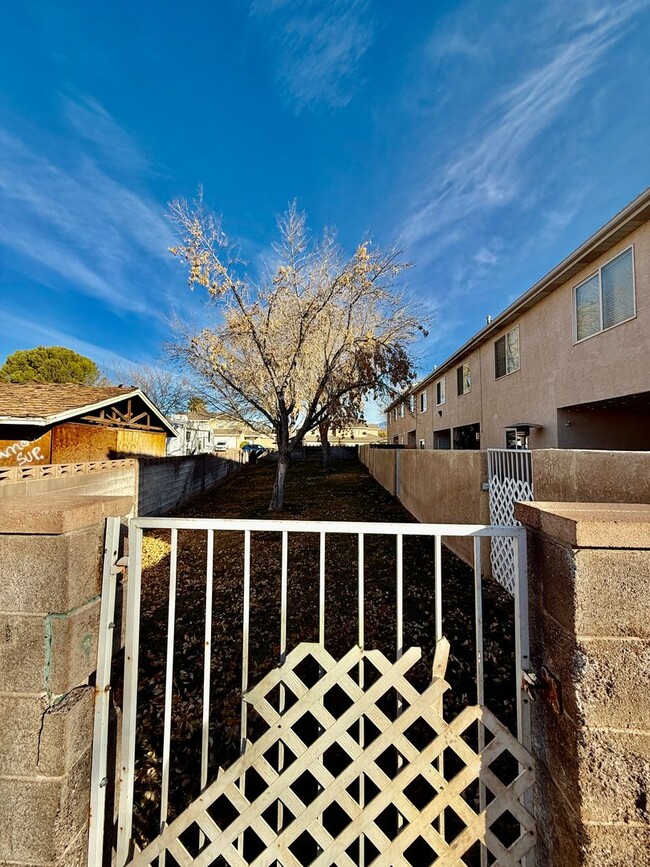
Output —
(555, 372)
(566, 475)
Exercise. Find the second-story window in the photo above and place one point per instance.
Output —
(506, 353)
(401, 410)
(440, 392)
(411, 403)
(464, 379)
(423, 401)
(606, 298)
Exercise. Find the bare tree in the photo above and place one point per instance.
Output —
(164, 386)
(317, 327)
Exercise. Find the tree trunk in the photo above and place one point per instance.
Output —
(323, 429)
(284, 459)
(277, 497)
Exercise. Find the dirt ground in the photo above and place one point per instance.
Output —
(348, 494)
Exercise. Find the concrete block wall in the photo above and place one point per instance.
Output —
(589, 587)
(165, 483)
(119, 482)
(437, 487)
(51, 551)
(156, 485)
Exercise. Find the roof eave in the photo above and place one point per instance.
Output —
(620, 226)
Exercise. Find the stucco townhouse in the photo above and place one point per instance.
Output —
(566, 365)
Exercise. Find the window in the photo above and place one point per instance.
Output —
(464, 379)
(440, 392)
(506, 353)
(606, 298)
(423, 401)
(411, 403)
(401, 410)
(422, 444)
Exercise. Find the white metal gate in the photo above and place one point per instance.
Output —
(270, 813)
(510, 478)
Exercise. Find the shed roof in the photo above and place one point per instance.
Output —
(37, 403)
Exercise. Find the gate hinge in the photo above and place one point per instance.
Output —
(531, 681)
(545, 685)
(120, 565)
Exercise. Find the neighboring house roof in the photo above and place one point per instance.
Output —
(620, 226)
(40, 404)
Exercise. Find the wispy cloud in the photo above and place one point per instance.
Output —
(34, 333)
(72, 208)
(488, 171)
(319, 47)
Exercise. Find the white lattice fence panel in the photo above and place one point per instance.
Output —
(505, 490)
(277, 799)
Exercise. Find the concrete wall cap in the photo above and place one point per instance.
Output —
(589, 525)
(53, 514)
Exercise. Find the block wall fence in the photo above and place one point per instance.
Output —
(156, 485)
(439, 486)
(589, 583)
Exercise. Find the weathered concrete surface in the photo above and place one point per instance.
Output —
(590, 643)
(584, 476)
(34, 569)
(590, 525)
(49, 611)
(53, 514)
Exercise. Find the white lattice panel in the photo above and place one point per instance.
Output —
(277, 798)
(509, 482)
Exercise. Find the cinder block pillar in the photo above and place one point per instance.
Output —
(51, 551)
(589, 587)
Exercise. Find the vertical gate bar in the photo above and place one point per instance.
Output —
(361, 639)
(400, 636)
(400, 599)
(245, 639)
(207, 660)
(437, 547)
(321, 591)
(283, 596)
(321, 638)
(207, 657)
(99, 773)
(480, 673)
(169, 682)
(522, 661)
(244, 664)
(283, 654)
(129, 709)
(438, 586)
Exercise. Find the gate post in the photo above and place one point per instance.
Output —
(589, 584)
(51, 554)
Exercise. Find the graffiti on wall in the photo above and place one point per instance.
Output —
(23, 452)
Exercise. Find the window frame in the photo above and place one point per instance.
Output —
(598, 272)
(423, 401)
(412, 404)
(504, 338)
(461, 367)
(441, 381)
(402, 410)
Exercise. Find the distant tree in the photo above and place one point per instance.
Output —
(316, 328)
(49, 364)
(197, 404)
(163, 386)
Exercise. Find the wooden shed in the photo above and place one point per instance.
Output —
(56, 424)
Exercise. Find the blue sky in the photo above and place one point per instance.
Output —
(488, 137)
